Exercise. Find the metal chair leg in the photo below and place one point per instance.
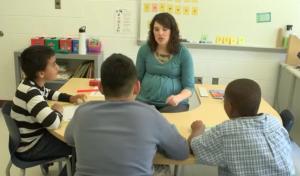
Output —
(182, 169)
(44, 171)
(22, 173)
(176, 170)
(73, 161)
(69, 167)
(60, 166)
(8, 168)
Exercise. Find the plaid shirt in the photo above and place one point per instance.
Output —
(247, 146)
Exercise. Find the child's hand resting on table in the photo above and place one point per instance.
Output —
(57, 107)
(197, 129)
(77, 99)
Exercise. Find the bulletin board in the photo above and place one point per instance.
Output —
(229, 22)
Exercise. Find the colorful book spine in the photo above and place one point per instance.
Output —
(216, 93)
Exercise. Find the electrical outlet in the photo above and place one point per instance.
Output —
(215, 81)
(198, 80)
(57, 4)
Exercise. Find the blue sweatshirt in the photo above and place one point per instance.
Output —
(114, 138)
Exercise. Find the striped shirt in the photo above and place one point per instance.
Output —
(32, 113)
(247, 146)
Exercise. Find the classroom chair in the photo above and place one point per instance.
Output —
(288, 119)
(296, 157)
(14, 141)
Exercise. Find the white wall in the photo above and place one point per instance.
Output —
(21, 20)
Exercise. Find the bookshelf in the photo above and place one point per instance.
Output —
(288, 95)
(71, 65)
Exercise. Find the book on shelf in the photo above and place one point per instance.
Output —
(90, 71)
(217, 93)
(84, 70)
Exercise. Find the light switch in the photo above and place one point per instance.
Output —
(198, 80)
(215, 81)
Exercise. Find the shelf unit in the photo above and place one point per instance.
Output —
(70, 61)
(288, 95)
(228, 47)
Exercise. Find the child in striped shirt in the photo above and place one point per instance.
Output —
(31, 111)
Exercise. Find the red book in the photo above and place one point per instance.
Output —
(218, 94)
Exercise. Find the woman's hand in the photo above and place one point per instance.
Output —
(173, 100)
(77, 99)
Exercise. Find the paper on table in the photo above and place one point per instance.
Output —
(97, 93)
(69, 112)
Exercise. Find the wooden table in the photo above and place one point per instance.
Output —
(210, 111)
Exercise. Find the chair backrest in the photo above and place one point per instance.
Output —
(288, 119)
(14, 133)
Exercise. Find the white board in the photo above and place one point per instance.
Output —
(228, 18)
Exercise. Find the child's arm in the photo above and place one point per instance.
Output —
(207, 147)
(77, 99)
(57, 96)
(38, 107)
(171, 143)
(197, 129)
(58, 108)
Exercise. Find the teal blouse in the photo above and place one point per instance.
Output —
(159, 81)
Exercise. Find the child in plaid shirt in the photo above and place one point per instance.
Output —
(248, 144)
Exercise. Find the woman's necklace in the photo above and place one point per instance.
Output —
(163, 58)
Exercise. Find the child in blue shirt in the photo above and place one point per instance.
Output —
(249, 144)
(120, 136)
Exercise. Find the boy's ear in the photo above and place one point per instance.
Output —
(100, 87)
(136, 87)
(228, 108)
(40, 74)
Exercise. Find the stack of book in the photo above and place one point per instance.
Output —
(84, 70)
(217, 93)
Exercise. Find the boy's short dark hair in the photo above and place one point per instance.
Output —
(35, 59)
(118, 75)
(244, 95)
